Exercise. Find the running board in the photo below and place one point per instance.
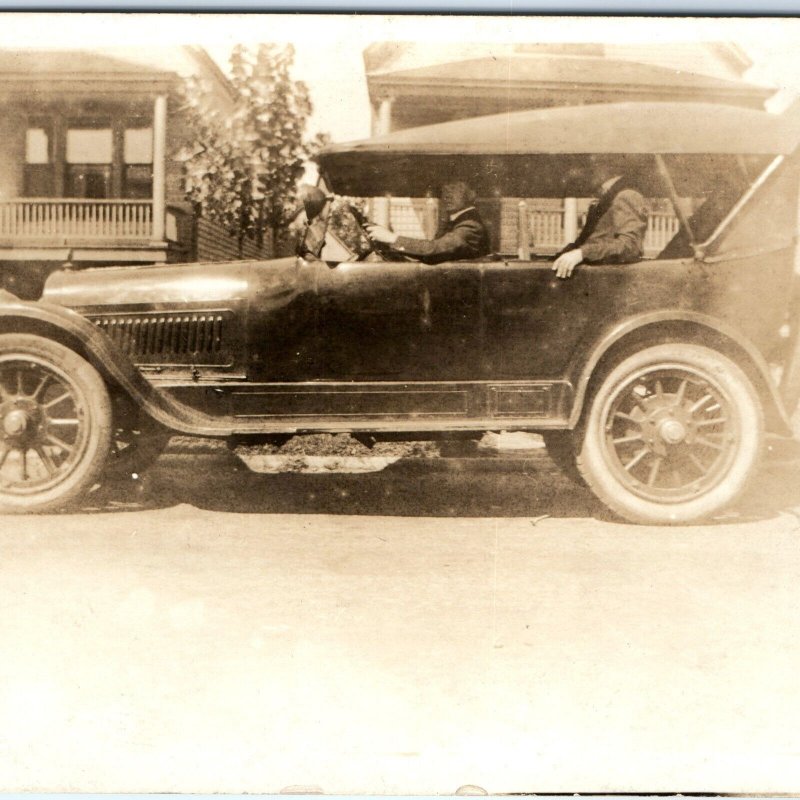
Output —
(377, 406)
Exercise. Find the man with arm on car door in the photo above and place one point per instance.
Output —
(615, 225)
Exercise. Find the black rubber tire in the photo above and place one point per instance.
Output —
(561, 448)
(743, 450)
(89, 399)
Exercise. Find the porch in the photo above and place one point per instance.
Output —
(83, 174)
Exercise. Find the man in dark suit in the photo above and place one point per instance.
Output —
(615, 225)
(465, 235)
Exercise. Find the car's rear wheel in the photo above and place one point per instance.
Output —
(55, 424)
(672, 435)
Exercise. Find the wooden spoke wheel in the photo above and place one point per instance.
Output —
(672, 435)
(55, 422)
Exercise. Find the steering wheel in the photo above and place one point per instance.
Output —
(375, 248)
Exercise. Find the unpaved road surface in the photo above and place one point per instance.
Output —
(411, 630)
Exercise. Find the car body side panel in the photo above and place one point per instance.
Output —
(294, 344)
(452, 333)
(369, 320)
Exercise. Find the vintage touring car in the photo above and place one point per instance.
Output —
(654, 382)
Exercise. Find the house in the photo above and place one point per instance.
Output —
(415, 84)
(89, 169)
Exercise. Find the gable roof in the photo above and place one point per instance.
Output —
(19, 63)
(112, 72)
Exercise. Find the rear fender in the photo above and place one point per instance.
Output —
(665, 326)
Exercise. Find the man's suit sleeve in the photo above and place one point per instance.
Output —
(464, 241)
(629, 216)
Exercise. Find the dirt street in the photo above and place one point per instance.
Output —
(411, 630)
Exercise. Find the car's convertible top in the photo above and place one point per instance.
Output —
(540, 152)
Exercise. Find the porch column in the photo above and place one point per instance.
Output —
(382, 210)
(431, 217)
(524, 232)
(384, 121)
(570, 220)
(159, 166)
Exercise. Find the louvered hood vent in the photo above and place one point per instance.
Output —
(169, 337)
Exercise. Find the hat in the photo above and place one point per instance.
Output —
(312, 201)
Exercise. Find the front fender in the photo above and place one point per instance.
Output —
(678, 325)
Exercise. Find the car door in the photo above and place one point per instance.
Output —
(535, 322)
(449, 343)
(369, 339)
(369, 316)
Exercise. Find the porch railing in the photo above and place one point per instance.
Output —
(546, 226)
(547, 230)
(61, 219)
(661, 227)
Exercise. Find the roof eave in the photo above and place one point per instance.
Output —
(381, 88)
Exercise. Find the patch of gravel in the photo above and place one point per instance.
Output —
(342, 444)
(317, 444)
(195, 444)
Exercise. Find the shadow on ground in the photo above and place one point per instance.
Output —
(414, 487)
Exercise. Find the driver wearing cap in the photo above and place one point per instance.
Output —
(465, 235)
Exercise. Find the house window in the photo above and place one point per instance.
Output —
(89, 158)
(137, 156)
(38, 176)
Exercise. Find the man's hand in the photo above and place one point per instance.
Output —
(380, 234)
(566, 263)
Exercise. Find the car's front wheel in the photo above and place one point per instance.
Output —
(55, 424)
(672, 434)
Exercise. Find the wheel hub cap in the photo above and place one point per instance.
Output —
(15, 422)
(672, 431)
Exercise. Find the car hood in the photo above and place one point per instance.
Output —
(169, 285)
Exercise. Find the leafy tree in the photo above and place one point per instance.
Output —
(242, 169)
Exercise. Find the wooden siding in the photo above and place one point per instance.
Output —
(214, 243)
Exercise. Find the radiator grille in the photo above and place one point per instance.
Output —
(141, 336)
